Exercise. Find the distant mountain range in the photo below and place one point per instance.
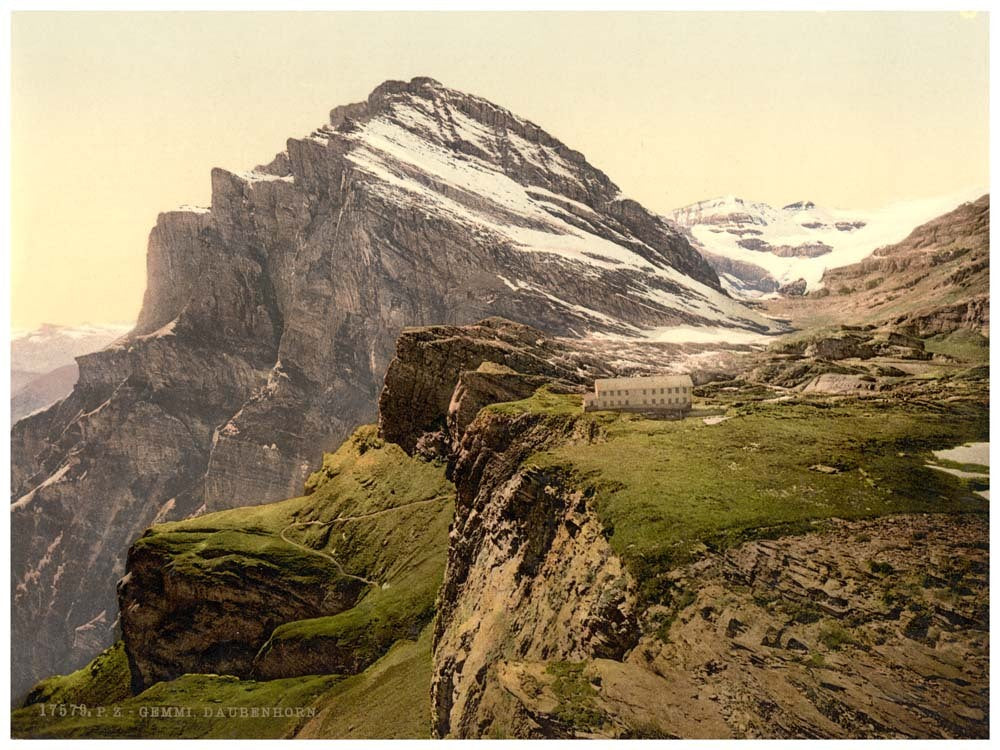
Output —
(934, 281)
(43, 365)
(758, 249)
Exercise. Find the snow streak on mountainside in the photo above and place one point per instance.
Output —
(270, 318)
(757, 248)
(510, 186)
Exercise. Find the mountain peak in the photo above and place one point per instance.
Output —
(269, 321)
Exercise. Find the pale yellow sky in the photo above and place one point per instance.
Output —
(118, 116)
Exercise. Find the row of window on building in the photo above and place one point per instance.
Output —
(652, 391)
(645, 402)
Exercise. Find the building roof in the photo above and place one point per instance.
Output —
(651, 381)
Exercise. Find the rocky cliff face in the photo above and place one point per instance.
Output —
(421, 379)
(530, 573)
(270, 317)
(804, 637)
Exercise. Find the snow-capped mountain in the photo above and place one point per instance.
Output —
(546, 212)
(270, 318)
(757, 248)
(52, 346)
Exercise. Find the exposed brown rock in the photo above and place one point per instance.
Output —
(529, 576)
(421, 379)
(269, 320)
(800, 637)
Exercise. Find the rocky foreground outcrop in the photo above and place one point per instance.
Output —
(529, 572)
(269, 319)
(420, 382)
(874, 628)
(862, 629)
(870, 628)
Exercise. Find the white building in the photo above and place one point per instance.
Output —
(664, 393)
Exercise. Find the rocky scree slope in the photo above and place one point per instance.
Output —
(270, 316)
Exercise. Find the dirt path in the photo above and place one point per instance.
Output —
(359, 517)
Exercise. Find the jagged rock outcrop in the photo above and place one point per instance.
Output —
(851, 359)
(794, 289)
(488, 384)
(270, 317)
(421, 379)
(530, 575)
(187, 620)
(740, 275)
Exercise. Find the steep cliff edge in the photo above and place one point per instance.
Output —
(530, 573)
(778, 564)
(270, 317)
(601, 562)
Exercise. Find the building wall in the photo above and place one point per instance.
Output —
(660, 394)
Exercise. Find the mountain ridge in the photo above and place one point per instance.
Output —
(270, 317)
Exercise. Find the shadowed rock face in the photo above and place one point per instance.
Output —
(421, 379)
(270, 317)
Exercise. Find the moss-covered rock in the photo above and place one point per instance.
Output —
(361, 556)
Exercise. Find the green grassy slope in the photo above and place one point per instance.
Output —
(105, 680)
(374, 510)
(211, 704)
(665, 489)
(390, 699)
